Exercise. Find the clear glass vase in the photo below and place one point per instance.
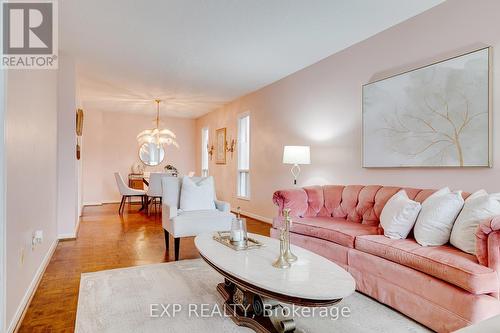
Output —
(239, 232)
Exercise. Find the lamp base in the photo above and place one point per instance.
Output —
(295, 172)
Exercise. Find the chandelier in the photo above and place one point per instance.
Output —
(156, 135)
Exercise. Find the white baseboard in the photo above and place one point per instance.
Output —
(110, 201)
(23, 306)
(91, 203)
(115, 201)
(255, 216)
(66, 236)
(77, 227)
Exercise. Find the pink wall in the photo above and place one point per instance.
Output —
(109, 145)
(67, 164)
(31, 166)
(320, 106)
(92, 158)
(3, 105)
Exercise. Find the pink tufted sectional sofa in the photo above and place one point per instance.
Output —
(441, 287)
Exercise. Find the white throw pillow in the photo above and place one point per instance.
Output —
(399, 215)
(198, 195)
(436, 218)
(478, 207)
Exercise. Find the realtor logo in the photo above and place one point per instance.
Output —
(29, 35)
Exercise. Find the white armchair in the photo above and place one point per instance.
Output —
(180, 223)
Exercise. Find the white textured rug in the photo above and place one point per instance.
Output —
(140, 299)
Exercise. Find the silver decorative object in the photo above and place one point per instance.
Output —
(281, 262)
(224, 237)
(289, 256)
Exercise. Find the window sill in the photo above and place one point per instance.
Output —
(243, 198)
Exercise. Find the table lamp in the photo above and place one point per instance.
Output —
(296, 155)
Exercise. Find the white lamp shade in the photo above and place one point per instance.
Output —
(296, 155)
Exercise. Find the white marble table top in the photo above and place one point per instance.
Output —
(311, 277)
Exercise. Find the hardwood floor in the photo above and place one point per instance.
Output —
(105, 241)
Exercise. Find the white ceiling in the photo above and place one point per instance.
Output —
(199, 54)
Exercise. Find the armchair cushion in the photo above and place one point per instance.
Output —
(192, 223)
(197, 195)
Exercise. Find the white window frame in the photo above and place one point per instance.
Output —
(240, 171)
(204, 152)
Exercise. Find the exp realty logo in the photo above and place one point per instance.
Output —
(29, 34)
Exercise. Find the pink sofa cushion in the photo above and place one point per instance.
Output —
(315, 201)
(336, 230)
(355, 203)
(333, 198)
(443, 262)
(437, 304)
(334, 252)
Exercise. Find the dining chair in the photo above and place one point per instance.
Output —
(154, 192)
(127, 192)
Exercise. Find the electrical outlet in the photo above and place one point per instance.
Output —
(36, 239)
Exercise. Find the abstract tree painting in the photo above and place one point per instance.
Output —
(434, 116)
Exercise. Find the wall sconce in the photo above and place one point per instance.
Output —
(210, 150)
(231, 148)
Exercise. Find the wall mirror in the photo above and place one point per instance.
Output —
(151, 154)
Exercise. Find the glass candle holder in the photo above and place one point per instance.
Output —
(239, 232)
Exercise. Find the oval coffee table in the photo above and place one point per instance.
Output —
(253, 289)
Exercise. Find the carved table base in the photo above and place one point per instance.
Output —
(258, 308)
(248, 309)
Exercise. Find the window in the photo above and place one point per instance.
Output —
(244, 156)
(204, 152)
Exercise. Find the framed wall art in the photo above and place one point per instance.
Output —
(434, 116)
(220, 148)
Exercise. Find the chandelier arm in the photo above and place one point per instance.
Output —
(157, 113)
(156, 135)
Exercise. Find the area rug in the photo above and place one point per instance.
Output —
(181, 297)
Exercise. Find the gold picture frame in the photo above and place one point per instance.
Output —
(79, 122)
(220, 146)
(79, 131)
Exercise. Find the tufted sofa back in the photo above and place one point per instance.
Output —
(356, 203)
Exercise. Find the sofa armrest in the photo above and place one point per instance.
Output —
(488, 246)
(223, 206)
(488, 243)
(294, 199)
